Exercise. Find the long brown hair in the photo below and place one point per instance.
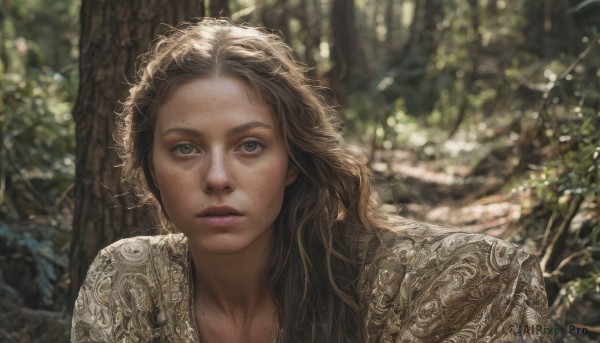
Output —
(326, 215)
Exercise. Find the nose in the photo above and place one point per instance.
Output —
(217, 177)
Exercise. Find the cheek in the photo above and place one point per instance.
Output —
(271, 182)
(169, 183)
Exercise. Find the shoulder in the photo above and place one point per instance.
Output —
(429, 282)
(137, 249)
(129, 255)
(126, 281)
(420, 245)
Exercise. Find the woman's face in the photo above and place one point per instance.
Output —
(220, 165)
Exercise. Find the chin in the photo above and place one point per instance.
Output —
(226, 245)
(223, 250)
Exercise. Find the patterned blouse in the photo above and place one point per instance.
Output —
(420, 283)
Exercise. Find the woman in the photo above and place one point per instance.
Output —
(277, 238)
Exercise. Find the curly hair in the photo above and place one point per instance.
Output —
(327, 213)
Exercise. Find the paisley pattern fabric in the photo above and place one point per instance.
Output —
(137, 290)
(420, 283)
(429, 284)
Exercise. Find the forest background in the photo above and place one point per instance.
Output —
(480, 114)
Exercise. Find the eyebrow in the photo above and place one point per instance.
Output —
(231, 132)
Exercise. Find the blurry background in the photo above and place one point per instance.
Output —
(480, 114)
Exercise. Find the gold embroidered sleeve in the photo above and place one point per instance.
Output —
(92, 320)
(136, 290)
(429, 286)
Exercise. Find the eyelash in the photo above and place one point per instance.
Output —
(177, 149)
(259, 146)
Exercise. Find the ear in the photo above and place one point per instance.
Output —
(291, 175)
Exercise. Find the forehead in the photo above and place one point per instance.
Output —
(212, 102)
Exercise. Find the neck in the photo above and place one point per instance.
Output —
(234, 284)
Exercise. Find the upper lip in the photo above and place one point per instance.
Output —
(219, 209)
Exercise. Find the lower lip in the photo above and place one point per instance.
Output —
(221, 221)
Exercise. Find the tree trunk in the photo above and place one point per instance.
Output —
(548, 30)
(309, 15)
(113, 34)
(471, 77)
(416, 54)
(343, 51)
(276, 17)
(389, 22)
(219, 8)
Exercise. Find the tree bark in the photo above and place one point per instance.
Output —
(113, 34)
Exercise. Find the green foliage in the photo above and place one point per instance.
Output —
(496, 71)
(568, 183)
(38, 79)
(38, 87)
(42, 244)
(570, 121)
(39, 142)
(515, 77)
